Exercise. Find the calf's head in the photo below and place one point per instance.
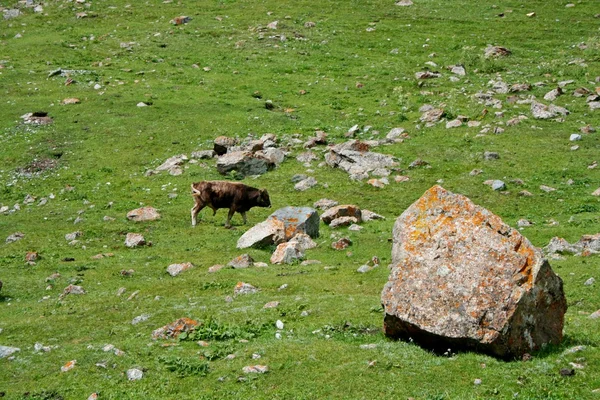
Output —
(263, 198)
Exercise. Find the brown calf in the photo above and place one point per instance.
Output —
(222, 194)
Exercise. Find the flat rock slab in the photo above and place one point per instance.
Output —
(244, 163)
(463, 279)
(297, 220)
(176, 269)
(263, 234)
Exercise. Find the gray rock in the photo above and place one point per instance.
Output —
(595, 314)
(463, 279)
(134, 374)
(496, 51)
(73, 235)
(498, 185)
(561, 246)
(6, 351)
(324, 204)
(553, 94)
(241, 261)
(432, 116)
(15, 237)
(305, 184)
(244, 163)
(134, 240)
(222, 144)
(143, 214)
(346, 210)
(173, 164)
(366, 215)
(574, 137)
(287, 253)
(490, 155)
(176, 269)
(395, 134)
(354, 158)
(266, 233)
(271, 155)
(298, 220)
(542, 111)
(243, 288)
(590, 282)
(342, 221)
(203, 154)
(140, 318)
(458, 70)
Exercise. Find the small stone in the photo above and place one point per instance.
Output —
(15, 237)
(215, 268)
(68, 366)
(490, 155)
(243, 288)
(241, 261)
(574, 137)
(133, 240)
(595, 314)
(477, 382)
(6, 351)
(498, 185)
(255, 369)
(279, 324)
(271, 304)
(176, 269)
(567, 372)
(589, 282)
(341, 244)
(547, 189)
(140, 318)
(134, 374)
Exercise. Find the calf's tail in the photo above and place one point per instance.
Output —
(195, 192)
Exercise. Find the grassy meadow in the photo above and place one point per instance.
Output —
(212, 77)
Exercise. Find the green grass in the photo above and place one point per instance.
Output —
(103, 146)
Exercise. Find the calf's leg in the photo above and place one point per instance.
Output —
(229, 215)
(195, 210)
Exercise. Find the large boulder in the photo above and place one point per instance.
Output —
(297, 220)
(244, 163)
(463, 279)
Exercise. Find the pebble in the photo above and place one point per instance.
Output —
(134, 374)
(590, 282)
(279, 324)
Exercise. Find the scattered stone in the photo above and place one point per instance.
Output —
(542, 111)
(427, 75)
(244, 163)
(341, 244)
(68, 366)
(134, 374)
(594, 315)
(404, 3)
(431, 117)
(418, 163)
(567, 372)
(255, 369)
(244, 288)
(203, 154)
(174, 329)
(324, 204)
(176, 269)
(140, 318)
(496, 51)
(493, 291)
(367, 215)
(525, 193)
(498, 185)
(72, 289)
(524, 223)
(133, 240)
(378, 183)
(15, 237)
(520, 87)
(574, 137)
(305, 184)
(547, 189)
(215, 268)
(222, 144)
(143, 214)
(180, 21)
(241, 261)
(490, 155)
(287, 253)
(37, 118)
(455, 123)
(6, 351)
(355, 158)
(271, 304)
(342, 221)
(553, 94)
(589, 282)
(346, 210)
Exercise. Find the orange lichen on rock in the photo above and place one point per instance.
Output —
(175, 328)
